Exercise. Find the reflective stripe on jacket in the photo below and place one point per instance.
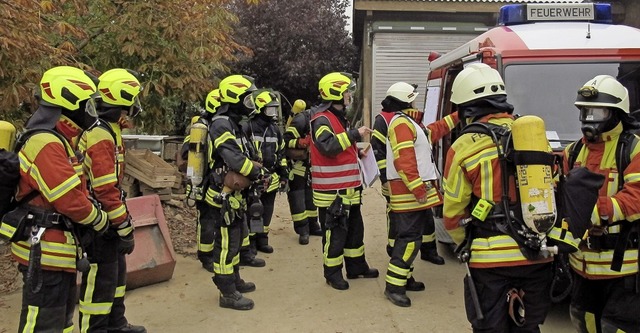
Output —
(101, 154)
(379, 144)
(620, 206)
(409, 150)
(51, 168)
(335, 172)
(473, 170)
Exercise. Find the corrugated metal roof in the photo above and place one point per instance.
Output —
(513, 1)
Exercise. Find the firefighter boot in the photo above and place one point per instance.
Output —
(129, 329)
(315, 229)
(429, 252)
(336, 281)
(229, 297)
(248, 258)
(235, 301)
(397, 296)
(413, 285)
(303, 233)
(262, 243)
(241, 285)
(206, 258)
(370, 273)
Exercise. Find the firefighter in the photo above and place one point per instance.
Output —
(505, 276)
(390, 106)
(266, 137)
(411, 192)
(52, 184)
(205, 228)
(103, 286)
(605, 298)
(297, 139)
(231, 169)
(336, 182)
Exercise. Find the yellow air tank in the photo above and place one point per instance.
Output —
(298, 106)
(197, 157)
(535, 181)
(7, 135)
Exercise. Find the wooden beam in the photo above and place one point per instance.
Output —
(451, 7)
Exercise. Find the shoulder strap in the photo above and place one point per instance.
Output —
(20, 143)
(574, 152)
(626, 143)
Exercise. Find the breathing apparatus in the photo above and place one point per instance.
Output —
(603, 102)
(7, 135)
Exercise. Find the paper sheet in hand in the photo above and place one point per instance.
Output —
(368, 165)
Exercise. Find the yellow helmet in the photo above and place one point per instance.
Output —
(212, 103)
(266, 102)
(67, 87)
(194, 119)
(120, 87)
(233, 87)
(298, 106)
(333, 86)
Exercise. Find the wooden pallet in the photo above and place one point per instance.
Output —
(149, 169)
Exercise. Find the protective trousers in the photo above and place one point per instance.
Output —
(50, 310)
(428, 233)
(409, 227)
(303, 212)
(226, 250)
(103, 287)
(205, 232)
(344, 242)
(610, 305)
(492, 286)
(268, 200)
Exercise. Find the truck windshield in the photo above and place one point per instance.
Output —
(549, 91)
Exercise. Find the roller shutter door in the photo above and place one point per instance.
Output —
(403, 57)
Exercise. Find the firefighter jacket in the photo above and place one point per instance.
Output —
(620, 207)
(51, 167)
(473, 171)
(334, 158)
(230, 150)
(379, 145)
(410, 168)
(103, 163)
(297, 136)
(269, 146)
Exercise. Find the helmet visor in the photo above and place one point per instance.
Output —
(135, 108)
(90, 108)
(248, 102)
(595, 114)
(271, 111)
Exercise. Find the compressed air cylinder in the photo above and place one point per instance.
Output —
(7, 135)
(197, 159)
(535, 181)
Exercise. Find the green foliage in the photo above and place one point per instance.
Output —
(178, 46)
(294, 44)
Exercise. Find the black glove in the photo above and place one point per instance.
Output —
(126, 244)
(284, 185)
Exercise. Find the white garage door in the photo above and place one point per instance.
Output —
(403, 57)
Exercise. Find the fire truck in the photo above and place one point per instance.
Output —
(544, 52)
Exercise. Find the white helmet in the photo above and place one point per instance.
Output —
(476, 81)
(604, 90)
(403, 92)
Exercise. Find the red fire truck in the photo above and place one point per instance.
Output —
(544, 52)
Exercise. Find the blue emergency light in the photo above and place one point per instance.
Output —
(529, 13)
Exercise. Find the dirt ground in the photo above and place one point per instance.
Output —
(291, 294)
